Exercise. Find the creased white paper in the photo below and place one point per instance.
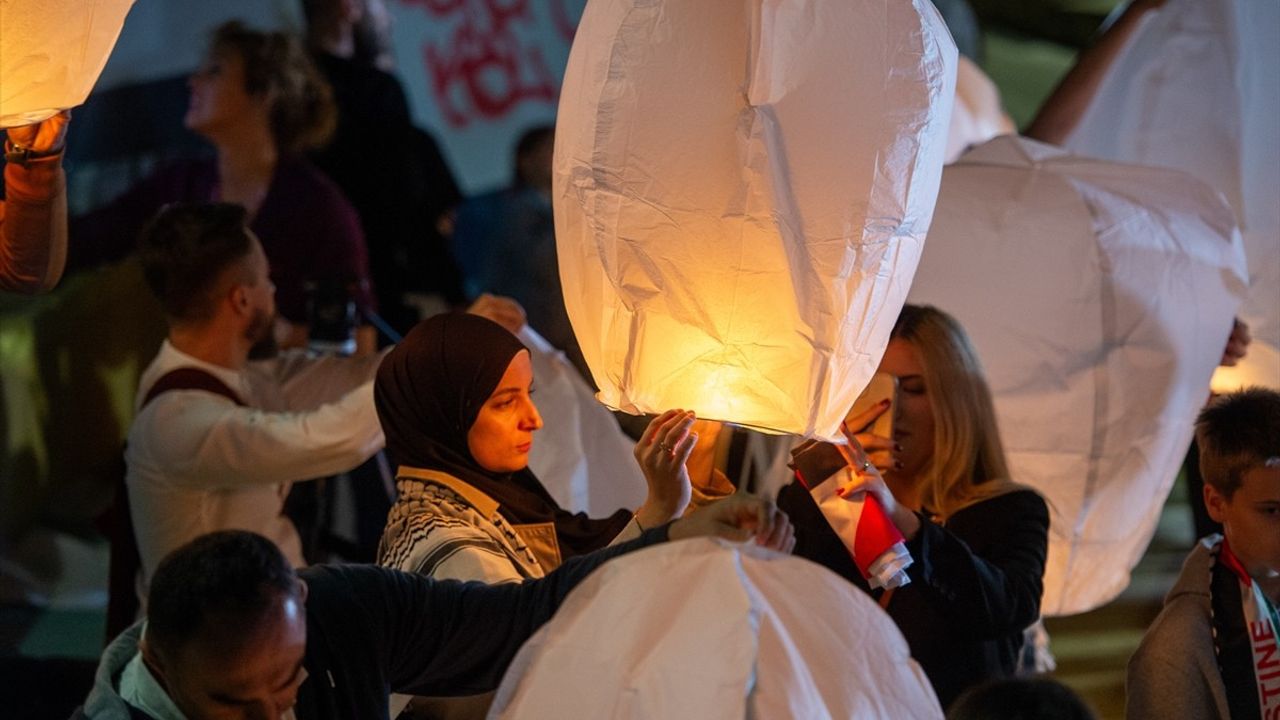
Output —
(1099, 297)
(51, 53)
(1196, 90)
(742, 191)
(711, 630)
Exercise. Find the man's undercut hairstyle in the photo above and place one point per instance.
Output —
(185, 250)
(231, 575)
(1237, 433)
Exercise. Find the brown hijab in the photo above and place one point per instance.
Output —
(428, 393)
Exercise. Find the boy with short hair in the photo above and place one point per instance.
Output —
(1212, 651)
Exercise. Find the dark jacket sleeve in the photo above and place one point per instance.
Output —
(445, 637)
(985, 570)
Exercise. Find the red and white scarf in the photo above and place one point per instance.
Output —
(1246, 641)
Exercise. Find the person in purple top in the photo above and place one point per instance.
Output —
(261, 103)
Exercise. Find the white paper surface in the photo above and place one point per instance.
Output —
(582, 457)
(710, 630)
(51, 53)
(1099, 297)
(742, 191)
(1196, 90)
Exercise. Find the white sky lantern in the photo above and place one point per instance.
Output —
(51, 52)
(1099, 297)
(1195, 89)
(742, 192)
(709, 630)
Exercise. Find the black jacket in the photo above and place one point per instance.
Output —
(975, 583)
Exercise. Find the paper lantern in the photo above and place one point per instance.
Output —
(742, 191)
(1099, 297)
(51, 53)
(709, 630)
(585, 461)
(1195, 89)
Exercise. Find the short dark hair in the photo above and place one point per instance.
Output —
(1038, 698)
(186, 248)
(1236, 433)
(229, 573)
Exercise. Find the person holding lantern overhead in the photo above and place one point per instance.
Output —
(261, 102)
(978, 540)
(33, 216)
(454, 400)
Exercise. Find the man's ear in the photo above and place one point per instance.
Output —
(1215, 503)
(302, 591)
(238, 296)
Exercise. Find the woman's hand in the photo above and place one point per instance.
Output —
(739, 518)
(879, 449)
(865, 478)
(662, 452)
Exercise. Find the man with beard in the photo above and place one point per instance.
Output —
(218, 438)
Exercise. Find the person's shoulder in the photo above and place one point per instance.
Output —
(1017, 499)
(1181, 635)
(297, 172)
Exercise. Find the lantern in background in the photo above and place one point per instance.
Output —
(1195, 89)
(51, 53)
(742, 192)
(728, 632)
(1099, 297)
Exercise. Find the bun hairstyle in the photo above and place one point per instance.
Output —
(303, 114)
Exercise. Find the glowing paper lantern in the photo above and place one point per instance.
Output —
(586, 461)
(51, 53)
(1099, 297)
(742, 191)
(703, 629)
(1196, 90)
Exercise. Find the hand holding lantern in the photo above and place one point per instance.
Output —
(662, 452)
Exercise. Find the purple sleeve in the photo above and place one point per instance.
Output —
(110, 232)
(311, 234)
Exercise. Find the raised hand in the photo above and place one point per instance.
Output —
(662, 453)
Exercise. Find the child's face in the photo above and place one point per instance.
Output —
(1251, 519)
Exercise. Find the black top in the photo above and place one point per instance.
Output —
(399, 182)
(372, 631)
(975, 583)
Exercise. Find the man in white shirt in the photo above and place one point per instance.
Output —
(218, 439)
(217, 444)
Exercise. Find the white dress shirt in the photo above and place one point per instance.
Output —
(198, 462)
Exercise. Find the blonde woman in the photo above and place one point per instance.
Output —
(977, 538)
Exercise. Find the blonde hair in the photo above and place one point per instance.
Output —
(968, 463)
